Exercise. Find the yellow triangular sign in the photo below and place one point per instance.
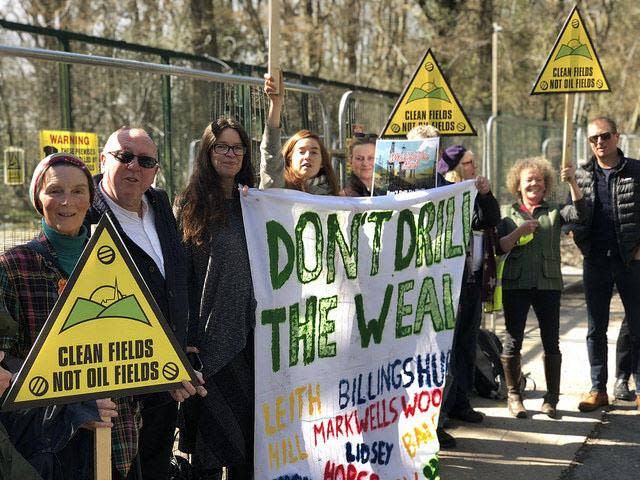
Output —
(104, 337)
(428, 99)
(573, 65)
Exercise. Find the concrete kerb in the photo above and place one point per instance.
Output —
(538, 447)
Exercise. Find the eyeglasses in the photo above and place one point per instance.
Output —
(367, 136)
(601, 136)
(223, 149)
(126, 157)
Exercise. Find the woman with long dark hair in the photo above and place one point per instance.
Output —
(219, 427)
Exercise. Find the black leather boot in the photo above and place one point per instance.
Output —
(512, 371)
(552, 365)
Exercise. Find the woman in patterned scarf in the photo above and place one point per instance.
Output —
(56, 440)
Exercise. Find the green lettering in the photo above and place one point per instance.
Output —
(405, 217)
(466, 218)
(304, 331)
(437, 248)
(374, 327)
(424, 255)
(274, 317)
(403, 310)
(276, 232)
(449, 315)
(326, 326)
(428, 303)
(378, 218)
(450, 250)
(349, 253)
(304, 274)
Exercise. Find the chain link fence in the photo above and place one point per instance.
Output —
(176, 107)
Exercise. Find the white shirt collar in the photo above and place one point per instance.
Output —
(123, 211)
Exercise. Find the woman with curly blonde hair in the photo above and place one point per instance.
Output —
(530, 232)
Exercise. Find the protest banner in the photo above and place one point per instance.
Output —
(356, 304)
(572, 66)
(105, 336)
(402, 165)
(83, 145)
(14, 168)
(428, 100)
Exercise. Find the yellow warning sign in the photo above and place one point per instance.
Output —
(573, 65)
(83, 145)
(14, 166)
(428, 100)
(104, 336)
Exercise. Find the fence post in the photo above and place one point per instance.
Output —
(64, 88)
(166, 117)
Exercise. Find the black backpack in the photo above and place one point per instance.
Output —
(489, 379)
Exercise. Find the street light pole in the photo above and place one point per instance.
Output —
(494, 69)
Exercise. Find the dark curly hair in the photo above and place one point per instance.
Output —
(202, 202)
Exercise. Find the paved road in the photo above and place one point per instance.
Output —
(601, 445)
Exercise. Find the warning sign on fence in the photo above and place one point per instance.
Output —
(14, 166)
(104, 335)
(83, 145)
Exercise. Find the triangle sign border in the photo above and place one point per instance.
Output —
(553, 49)
(105, 223)
(406, 89)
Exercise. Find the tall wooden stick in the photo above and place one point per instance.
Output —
(274, 42)
(103, 454)
(567, 137)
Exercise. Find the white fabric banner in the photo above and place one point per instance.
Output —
(356, 303)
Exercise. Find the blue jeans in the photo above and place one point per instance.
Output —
(463, 349)
(600, 273)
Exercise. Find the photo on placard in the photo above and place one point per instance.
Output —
(405, 165)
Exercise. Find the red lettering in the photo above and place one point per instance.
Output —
(436, 397)
(424, 394)
(317, 429)
(330, 431)
(351, 472)
(409, 409)
(339, 421)
(329, 467)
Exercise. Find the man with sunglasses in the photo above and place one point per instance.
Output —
(144, 219)
(609, 240)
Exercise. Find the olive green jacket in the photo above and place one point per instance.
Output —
(536, 264)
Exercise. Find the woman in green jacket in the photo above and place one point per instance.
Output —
(530, 232)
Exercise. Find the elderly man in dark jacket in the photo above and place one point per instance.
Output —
(145, 221)
(610, 243)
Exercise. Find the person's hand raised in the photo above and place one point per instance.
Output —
(270, 88)
(568, 173)
(483, 185)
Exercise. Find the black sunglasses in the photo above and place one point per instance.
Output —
(604, 136)
(126, 157)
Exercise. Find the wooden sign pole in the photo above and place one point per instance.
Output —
(103, 453)
(567, 137)
(274, 42)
